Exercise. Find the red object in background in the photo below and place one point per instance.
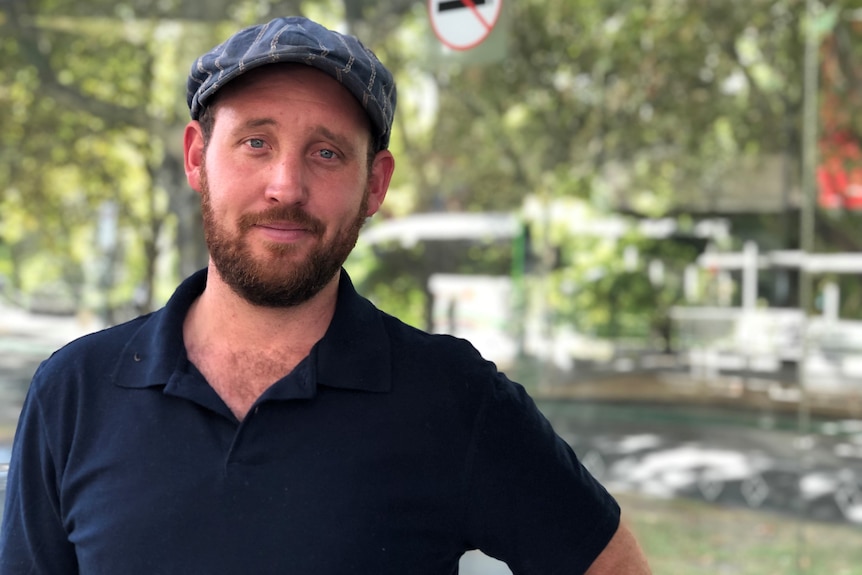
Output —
(839, 176)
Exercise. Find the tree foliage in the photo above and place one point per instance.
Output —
(647, 108)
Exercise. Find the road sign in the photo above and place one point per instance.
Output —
(463, 24)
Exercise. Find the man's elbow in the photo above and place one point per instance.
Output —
(622, 556)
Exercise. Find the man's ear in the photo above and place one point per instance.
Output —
(193, 154)
(378, 180)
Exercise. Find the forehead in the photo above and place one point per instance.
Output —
(276, 85)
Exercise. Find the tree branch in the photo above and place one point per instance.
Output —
(28, 38)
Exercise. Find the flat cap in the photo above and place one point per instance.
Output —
(302, 41)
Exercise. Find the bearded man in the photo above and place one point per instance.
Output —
(269, 419)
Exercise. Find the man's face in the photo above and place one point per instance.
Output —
(285, 183)
(276, 281)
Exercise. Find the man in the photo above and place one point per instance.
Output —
(269, 419)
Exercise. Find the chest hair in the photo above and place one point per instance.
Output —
(240, 377)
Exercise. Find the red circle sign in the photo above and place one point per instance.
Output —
(463, 24)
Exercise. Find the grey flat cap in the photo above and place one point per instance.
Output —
(299, 40)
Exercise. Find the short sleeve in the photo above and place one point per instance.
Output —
(32, 537)
(531, 503)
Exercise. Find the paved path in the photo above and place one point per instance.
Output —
(25, 340)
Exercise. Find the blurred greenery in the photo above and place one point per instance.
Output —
(648, 109)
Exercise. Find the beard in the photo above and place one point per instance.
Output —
(276, 281)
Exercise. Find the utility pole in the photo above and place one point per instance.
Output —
(811, 64)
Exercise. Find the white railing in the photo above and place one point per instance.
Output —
(717, 339)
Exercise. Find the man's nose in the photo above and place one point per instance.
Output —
(287, 182)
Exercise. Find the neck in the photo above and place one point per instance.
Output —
(220, 317)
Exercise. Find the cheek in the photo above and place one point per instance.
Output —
(227, 190)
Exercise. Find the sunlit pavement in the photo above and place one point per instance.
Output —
(475, 563)
(742, 458)
(25, 340)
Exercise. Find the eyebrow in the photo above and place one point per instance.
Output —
(250, 125)
(337, 138)
(342, 141)
(257, 123)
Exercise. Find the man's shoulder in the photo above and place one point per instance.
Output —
(436, 353)
(412, 337)
(94, 352)
(104, 340)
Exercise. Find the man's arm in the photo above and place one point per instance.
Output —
(622, 555)
(32, 538)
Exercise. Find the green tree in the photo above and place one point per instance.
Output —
(648, 108)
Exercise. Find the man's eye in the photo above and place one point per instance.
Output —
(256, 143)
(327, 154)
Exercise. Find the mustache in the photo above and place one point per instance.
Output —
(282, 214)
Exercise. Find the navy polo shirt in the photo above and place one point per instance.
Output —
(386, 451)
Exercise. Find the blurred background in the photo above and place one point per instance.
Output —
(646, 211)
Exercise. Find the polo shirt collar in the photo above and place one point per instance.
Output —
(354, 353)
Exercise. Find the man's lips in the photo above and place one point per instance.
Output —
(283, 221)
(284, 231)
(284, 226)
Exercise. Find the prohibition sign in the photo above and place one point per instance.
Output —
(463, 24)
